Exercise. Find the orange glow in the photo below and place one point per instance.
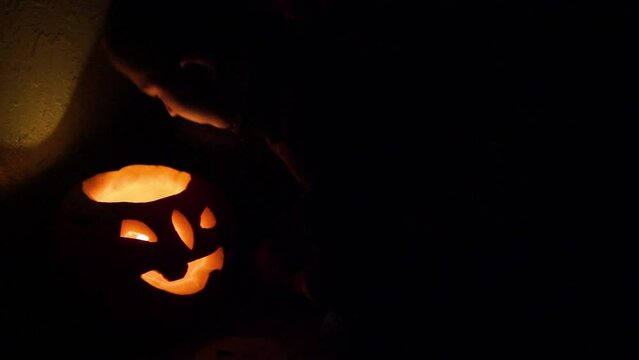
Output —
(207, 219)
(183, 228)
(136, 184)
(197, 274)
(135, 229)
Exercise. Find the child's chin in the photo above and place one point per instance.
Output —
(213, 121)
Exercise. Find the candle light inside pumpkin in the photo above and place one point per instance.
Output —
(134, 229)
(137, 236)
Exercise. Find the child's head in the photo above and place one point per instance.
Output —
(195, 57)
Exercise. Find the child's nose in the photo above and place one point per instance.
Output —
(169, 110)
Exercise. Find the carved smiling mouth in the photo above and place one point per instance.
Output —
(195, 279)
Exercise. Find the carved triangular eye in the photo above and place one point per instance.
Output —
(207, 219)
(135, 229)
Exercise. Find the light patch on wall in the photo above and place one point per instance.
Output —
(55, 86)
(44, 45)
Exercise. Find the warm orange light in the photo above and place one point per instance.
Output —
(145, 184)
(136, 184)
(197, 274)
(207, 219)
(183, 228)
(135, 229)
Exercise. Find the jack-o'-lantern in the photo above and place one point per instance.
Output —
(149, 240)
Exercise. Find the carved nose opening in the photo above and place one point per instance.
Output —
(183, 228)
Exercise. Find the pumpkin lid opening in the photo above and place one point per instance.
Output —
(136, 184)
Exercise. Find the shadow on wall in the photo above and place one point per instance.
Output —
(93, 135)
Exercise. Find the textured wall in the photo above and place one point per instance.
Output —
(46, 47)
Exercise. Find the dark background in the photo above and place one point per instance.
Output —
(478, 202)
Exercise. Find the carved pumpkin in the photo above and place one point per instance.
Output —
(147, 239)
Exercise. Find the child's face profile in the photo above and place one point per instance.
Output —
(178, 97)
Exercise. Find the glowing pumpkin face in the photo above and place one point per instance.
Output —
(143, 184)
(146, 225)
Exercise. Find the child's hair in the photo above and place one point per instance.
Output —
(152, 35)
